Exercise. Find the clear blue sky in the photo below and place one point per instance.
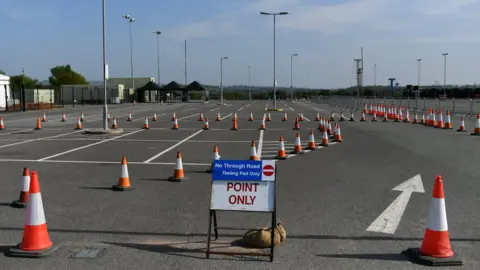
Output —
(327, 34)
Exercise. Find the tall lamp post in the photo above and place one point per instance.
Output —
(158, 33)
(291, 73)
(105, 68)
(444, 75)
(274, 75)
(249, 84)
(375, 82)
(221, 78)
(130, 21)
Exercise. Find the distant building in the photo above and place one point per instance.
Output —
(5, 91)
(127, 82)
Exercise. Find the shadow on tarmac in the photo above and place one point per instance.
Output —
(369, 256)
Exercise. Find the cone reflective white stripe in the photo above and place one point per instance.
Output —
(235, 116)
(298, 141)
(216, 156)
(124, 171)
(25, 183)
(35, 213)
(329, 126)
(109, 116)
(178, 164)
(174, 116)
(253, 152)
(154, 117)
(281, 145)
(437, 215)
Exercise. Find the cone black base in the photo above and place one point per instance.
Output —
(175, 128)
(297, 153)
(416, 256)
(209, 170)
(475, 134)
(19, 204)
(352, 120)
(295, 129)
(174, 179)
(234, 129)
(63, 121)
(461, 130)
(311, 149)
(17, 252)
(281, 158)
(38, 128)
(324, 145)
(120, 188)
(374, 120)
(206, 129)
(332, 119)
(362, 120)
(341, 119)
(78, 128)
(338, 141)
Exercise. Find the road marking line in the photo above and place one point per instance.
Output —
(14, 132)
(188, 109)
(291, 109)
(188, 116)
(226, 116)
(89, 145)
(214, 109)
(148, 117)
(240, 109)
(260, 144)
(39, 139)
(173, 146)
(101, 162)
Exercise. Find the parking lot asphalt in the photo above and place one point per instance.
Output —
(326, 198)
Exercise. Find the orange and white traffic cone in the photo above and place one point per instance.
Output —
(64, 117)
(448, 121)
(352, 118)
(219, 118)
(154, 118)
(363, 119)
(23, 198)
(434, 121)
(300, 117)
(175, 124)
(235, 116)
(415, 118)
(297, 149)
(178, 173)
(262, 124)
(297, 124)
(200, 118)
(44, 118)
(332, 118)
(407, 116)
(338, 135)
(114, 124)
(476, 131)
(269, 117)
(129, 119)
(2, 126)
(205, 126)
(374, 119)
(436, 249)
(109, 116)
(317, 118)
(79, 124)
(385, 117)
(174, 116)
(342, 118)
(423, 121)
(216, 156)
(134, 102)
(285, 118)
(82, 117)
(462, 125)
(124, 180)
(251, 117)
(324, 138)
(329, 128)
(145, 125)
(281, 154)
(234, 124)
(440, 120)
(311, 141)
(36, 240)
(253, 152)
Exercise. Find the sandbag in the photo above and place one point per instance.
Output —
(261, 238)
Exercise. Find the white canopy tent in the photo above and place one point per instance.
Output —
(5, 91)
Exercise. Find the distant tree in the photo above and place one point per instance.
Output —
(2, 72)
(29, 82)
(62, 75)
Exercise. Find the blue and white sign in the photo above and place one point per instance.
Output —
(243, 185)
(243, 170)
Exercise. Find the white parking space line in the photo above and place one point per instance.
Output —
(188, 116)
(291, 109)
(188, 109)
(226, 116)
(89, 145)
(260, 144)
(39, 139)
(148, 117)
(240, 109)
(173, 146)
(14, 132)
(214, 109)
(101, 162)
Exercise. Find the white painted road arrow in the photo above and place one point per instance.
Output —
(389, 220)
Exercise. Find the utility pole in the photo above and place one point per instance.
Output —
(291, 73)
(186, 82)
(23, 90)
(359, 69)
(375, 82)
(249, 84)
(445, 75)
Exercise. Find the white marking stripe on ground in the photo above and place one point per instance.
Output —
(173, 146)
(39, 139)
(100, 162)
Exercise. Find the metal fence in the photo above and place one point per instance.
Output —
(467, 107)
(35, 99)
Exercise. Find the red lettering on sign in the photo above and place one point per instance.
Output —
(243, 187)
(242, 199)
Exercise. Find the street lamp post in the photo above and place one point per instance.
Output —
(274, 77)
(249, 84)
(105, 68)
(375, 82)
(131, 20)
(291, 74)
(221, 78)
(158, 33)
(445, 75)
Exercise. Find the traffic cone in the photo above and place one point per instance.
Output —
(129, 119)
(235, 116)
(124, 180)
(329, 128)
(174, 116)
(216, 156)
(218, 117)
(145, 125)
(234, 124)
(114, 125)
(281, 154)
(178, 173)
(285, 118)
(36, 240)
(206, 127)
(423, 121)
(82, 117)
(352, 118)
(251, 117)
(134, 102)
(311, 141)
(332, 118)
(342, 118)
(109, 116)
(301, 118)
(297, 149)
(175, 124)
(253, 151)
(297, 124)
(200, 118)
(2, 126)
(448, 121)
(440, 120)
(374, 119)
(434, 122)
(338, 135)
(363, 119)
(324, 138)
(317, 118)
(262, 124)
(23, 198)
(476, 131)
(415, 118)
(79, 124)
(64, 117)
(269, 117)
(436, 249)
(154, 118)
(407, 116)
(385, 117)
(44, 119)
(462, 125)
